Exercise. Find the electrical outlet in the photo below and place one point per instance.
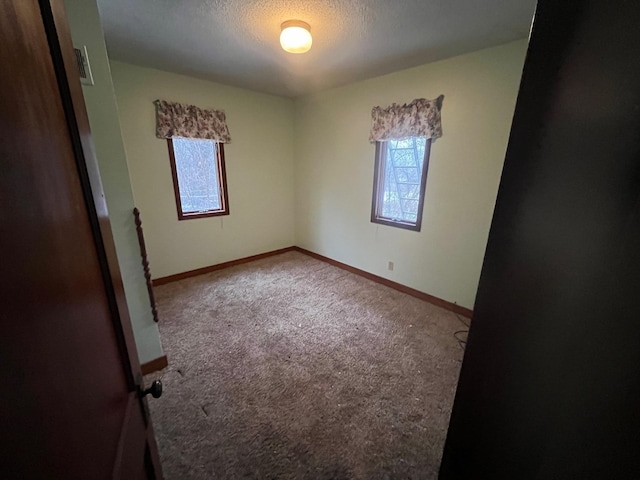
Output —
(391, 266)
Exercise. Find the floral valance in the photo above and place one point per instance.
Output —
(188, 121)
(420, 118)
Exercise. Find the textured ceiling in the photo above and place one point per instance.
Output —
(237, 41)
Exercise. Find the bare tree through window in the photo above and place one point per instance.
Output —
(400, 181)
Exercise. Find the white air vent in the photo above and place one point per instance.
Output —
(83, 65)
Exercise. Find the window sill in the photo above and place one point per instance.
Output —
(397, 223)
(190, 216)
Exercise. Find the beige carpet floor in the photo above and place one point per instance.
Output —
(288, 367)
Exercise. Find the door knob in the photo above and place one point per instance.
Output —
(155, 389)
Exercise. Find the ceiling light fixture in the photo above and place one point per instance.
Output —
(295, 36)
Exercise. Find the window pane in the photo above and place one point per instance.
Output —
(402, 178)
(197, 169)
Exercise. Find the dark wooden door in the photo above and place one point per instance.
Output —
(550, 383)
(70, 405)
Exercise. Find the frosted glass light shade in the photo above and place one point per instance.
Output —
(295, 36)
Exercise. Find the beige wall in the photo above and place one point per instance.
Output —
(101, 105)
(334, 171)
(259, 165)
(326, 191)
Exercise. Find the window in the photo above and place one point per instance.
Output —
(399, 182)
(199, 178)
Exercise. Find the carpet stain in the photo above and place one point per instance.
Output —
(289, 368)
